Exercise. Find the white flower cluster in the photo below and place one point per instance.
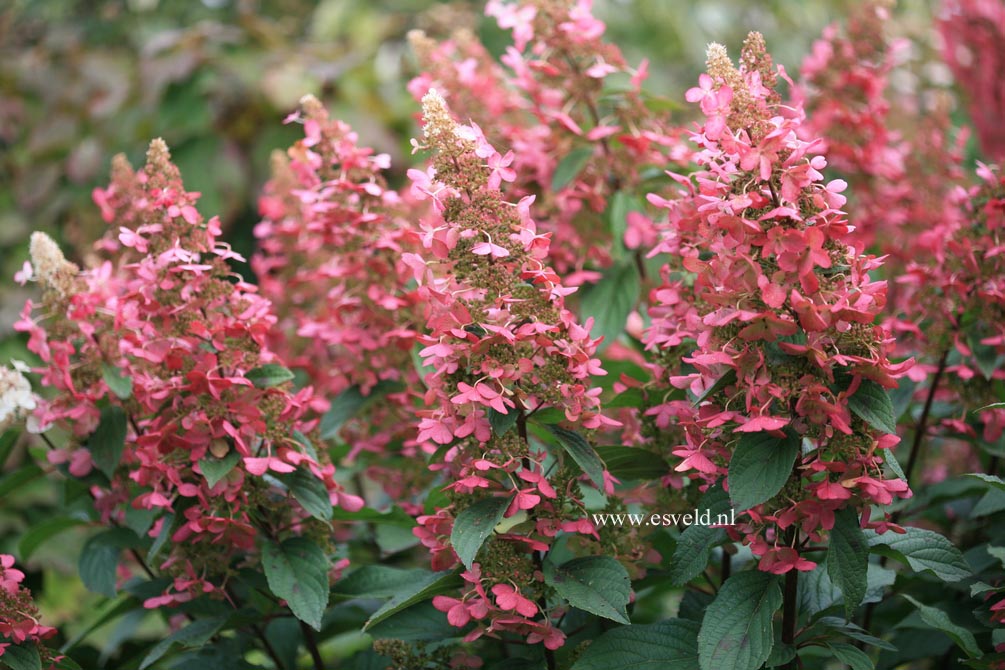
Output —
(16, 398)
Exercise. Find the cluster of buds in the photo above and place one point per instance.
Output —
(161, 372)
(18, 614)
(780, 315)
(500, 346)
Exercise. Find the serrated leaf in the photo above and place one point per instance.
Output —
(628, 463)
(310, 492)
(269, 375)
(855, 632)
(167, 530)
(43, 531)
(848, 559)
(668, 644)
(195, 634)
(434, 584)
(818, 593)
(473, 525)
(297, 572)
(736, 633)
(377, 581)
(938, 619)
(99, 559)
(582, 453)
(696, 542)
(872, 404)
(420, 622)
(853, 657)
(991, 480)
(923, 550)
(726, 380)
(108, 440)
(348, 403)
(215, 469)
(501, 423)
(22, 657)
(596, 584)
(570, 166)
(759, 467)
(121, 385)
(611, 300)
(894, 464)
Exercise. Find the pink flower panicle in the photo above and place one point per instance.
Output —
(332, 237)
(161, 342)
(500, 346)
(780, 300)
(19, 618)
(973, 45)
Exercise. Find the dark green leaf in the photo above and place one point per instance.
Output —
(569, 167)
(99, 559)
(24, 475)
(215, 469)
(611, 300)
(939, 620)
(108, 440)
(855, 632)
(121, 385)
(726, 380)
(853, 657)
(167, 529)
(668, 645)
(348, 403)
(42, 531)
(501, 423)
(736, 632)
(696, 542)
(420, 622)
(394, 516)
(872, 404)
(195, 634)
(627, 463)
(269, 375)
(923, 550)
(310, 492)
(760, 466)
(596, 584)
(848, 559)
(8, 439)
(377, 581)
(297, 572)
(996, 482)
(473, 526)
(581, 451)
(22, 657)
(630, 397)
(433, 584)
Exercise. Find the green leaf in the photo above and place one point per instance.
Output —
(99, 559)
(167, 530)
(501, 423)
(40, 532)
(996, 482)
(108, 440)
(872, 404)
(23, 476)
(596, 584)
(760, 466)
(894, 464)
(297, 572)
(569, 167)
(196, 634)
(473, 525)
(8, 439)
(611, 300)
(22, 657)
(938, 619)
(269, 375)
(855, 632)
(669, 644)
(121, 385)
(630, 397)
(853, 657)
(922, 550)
(434, 584)
(215, 469)
(627, 463)
(818, 593)
(581, 451)
(420, 622)
(736, 632)
(394, 516)
(848, 559)
(377, 581)
(696, 542)
(348, 403)
(310, 492)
